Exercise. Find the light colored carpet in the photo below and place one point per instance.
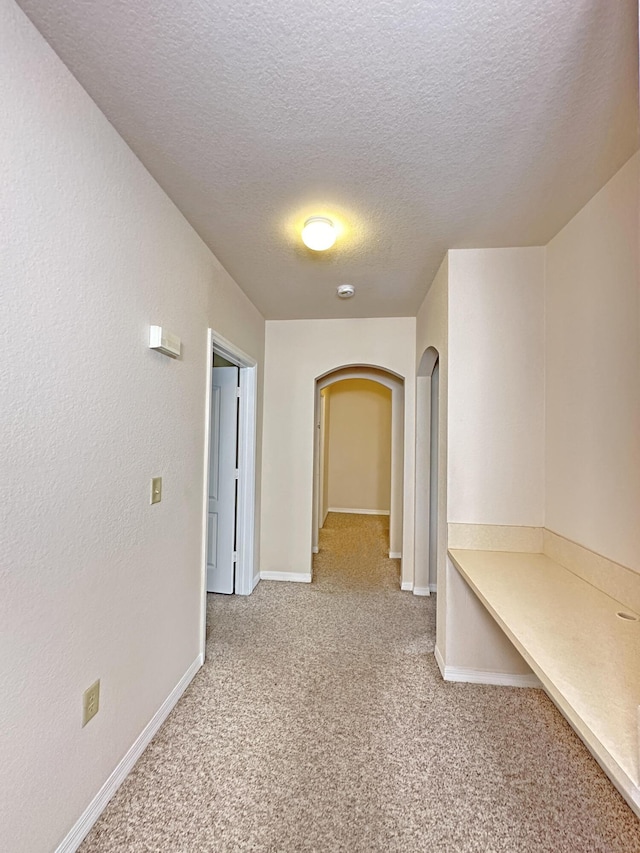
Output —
(320, 723)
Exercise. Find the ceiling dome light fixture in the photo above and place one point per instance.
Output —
(318, 233)
(346, 291)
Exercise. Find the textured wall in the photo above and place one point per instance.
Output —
(496, 386)
(593, 373)
(95, 582)
(297, 353)
(359, 447)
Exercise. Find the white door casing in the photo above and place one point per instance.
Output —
(221, 521)
(246, 570)
(323, 499)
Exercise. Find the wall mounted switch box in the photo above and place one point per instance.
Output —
(164, 342)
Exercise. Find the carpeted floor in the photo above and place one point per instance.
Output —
(320, 723)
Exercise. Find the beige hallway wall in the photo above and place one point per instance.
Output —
(359, 446)
(432, 332)
(593, 373)
(496, 386)
(298, 352)
(96, 583)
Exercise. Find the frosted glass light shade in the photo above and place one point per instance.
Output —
(318, 233)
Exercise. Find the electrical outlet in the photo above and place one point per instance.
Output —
(90, 702)
(156, 490)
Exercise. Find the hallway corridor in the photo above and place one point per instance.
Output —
(320, 723)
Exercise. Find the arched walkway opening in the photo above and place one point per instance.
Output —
(394, 385)
(429, 511)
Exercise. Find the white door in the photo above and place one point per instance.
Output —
(223, 478)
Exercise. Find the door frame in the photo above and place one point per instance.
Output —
(246, 576)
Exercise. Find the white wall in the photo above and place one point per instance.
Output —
(496, 386)
(593, 373)
(359, 446)
(484, 314)
(297, 353)
(432, 321)
(95, 582)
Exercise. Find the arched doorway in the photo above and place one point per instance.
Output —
(429, 506)
(396, 385)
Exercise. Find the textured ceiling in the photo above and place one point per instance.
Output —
(420, 125)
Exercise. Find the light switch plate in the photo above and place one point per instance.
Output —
(156, 490)
(90, 702)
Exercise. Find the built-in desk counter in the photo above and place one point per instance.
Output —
(583, 645)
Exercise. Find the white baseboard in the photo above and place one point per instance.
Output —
(358, 511)
(296, 577)
(395, 555)
(481, 676)
(421, 590)
(433, 587)
(95, 808)
(406, 585)
(316, 549)
(255, 581)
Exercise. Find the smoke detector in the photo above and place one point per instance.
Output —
(346, 291)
